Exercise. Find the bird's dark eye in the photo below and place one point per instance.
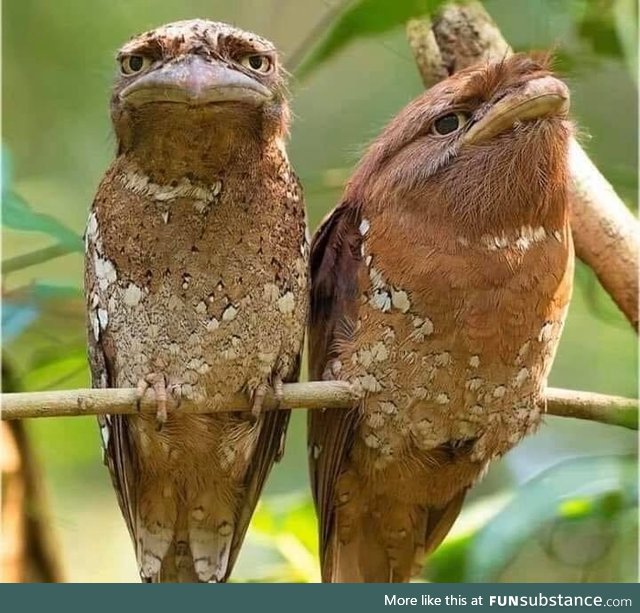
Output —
(449, 123)
(131, 64)
(257, 63)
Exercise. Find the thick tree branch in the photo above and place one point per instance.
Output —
(613, 410)
(606, 234)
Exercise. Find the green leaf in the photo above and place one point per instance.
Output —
(449, 562)
(52, 291)
(18, 215)
(16, 318)
(65, 369)
(358, 19)
(64, 301)
(597, 28)
(57, 332)
(605, 478)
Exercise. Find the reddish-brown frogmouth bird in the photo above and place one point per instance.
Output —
(440, 285)
(196, 285)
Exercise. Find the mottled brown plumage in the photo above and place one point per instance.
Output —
(196, 284)
(440, 286)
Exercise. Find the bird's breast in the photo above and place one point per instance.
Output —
(213, 296)
(447, 357)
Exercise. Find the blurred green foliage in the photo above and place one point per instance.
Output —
(353, 20)
(561, 507)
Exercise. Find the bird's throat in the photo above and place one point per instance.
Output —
(198, 178)
(169, 141)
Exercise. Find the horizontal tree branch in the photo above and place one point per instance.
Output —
(605, 232)
(313, 395)
(613, 410)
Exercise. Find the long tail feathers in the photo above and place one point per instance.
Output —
(195, 553)
(375, 554)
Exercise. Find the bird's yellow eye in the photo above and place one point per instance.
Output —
(258, 63)
(132, 64)
(449, 123)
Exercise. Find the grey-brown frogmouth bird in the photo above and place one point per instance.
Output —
(196, 286)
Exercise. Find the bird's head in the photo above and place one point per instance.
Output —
(193, 79)
(485, 147)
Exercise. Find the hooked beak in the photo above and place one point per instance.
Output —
(195, 81)
(536, 99)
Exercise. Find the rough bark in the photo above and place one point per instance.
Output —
(605, 233)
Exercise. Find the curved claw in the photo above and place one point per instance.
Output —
(332, 370)
(259, 395)
(158, 383)
(278, 390)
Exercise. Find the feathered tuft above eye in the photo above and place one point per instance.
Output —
(262, 64)
(133, 64)
(449, 123)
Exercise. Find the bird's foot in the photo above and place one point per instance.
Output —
(332, 370)
(260, 393)
(278, 391)
(257, 401)
(158, 383)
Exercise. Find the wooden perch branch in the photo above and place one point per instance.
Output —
(613, 410)
(313, 395)
(606, 234)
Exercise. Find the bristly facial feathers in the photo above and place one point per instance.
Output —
(439, 288)
(410, 161)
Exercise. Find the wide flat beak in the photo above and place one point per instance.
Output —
(195, 81)
(536, 99)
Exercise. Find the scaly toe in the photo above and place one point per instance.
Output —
(158, 383)
(278, 391)
(258, 400)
